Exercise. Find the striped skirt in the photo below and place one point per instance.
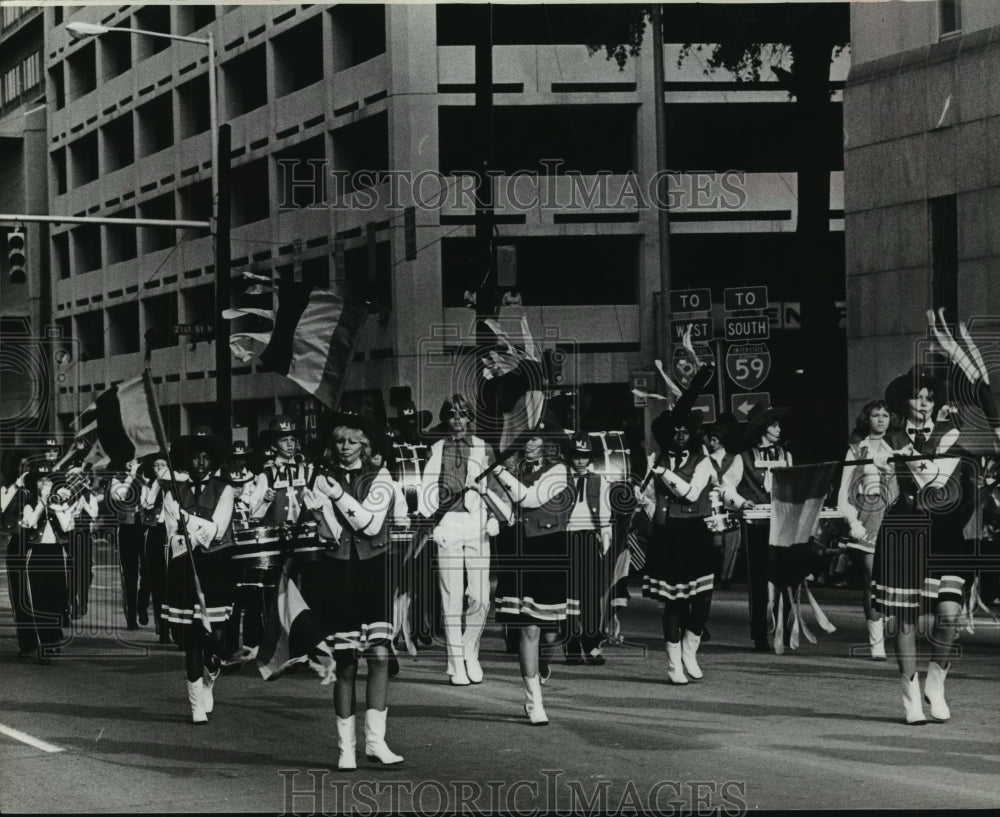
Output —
(680, 561)
(218, 584)
(358, 604)
(536, 582)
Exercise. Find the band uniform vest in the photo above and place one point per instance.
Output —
(279, 477)
(204, 506)
(550, 517)
(364, 545)
(670, 506)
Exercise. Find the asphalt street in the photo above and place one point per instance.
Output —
(106, 727)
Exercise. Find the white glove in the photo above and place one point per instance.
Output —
(205, 534)
(857, 531)
(492, 526)
(313, 500)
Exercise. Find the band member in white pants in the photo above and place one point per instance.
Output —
(461, 534)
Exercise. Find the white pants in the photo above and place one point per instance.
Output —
(464, 561)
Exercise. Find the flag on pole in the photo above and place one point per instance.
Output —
(123, 420)
(797, 495)
(314, 337)
(292, 636)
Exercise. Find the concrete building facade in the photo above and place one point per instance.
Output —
(922, 181)
(391, 88)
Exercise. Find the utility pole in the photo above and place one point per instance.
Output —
(223, 285)
(489, 425)
(663, 215)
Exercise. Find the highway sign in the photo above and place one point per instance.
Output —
(683, 366)
(748, 364)
(736, 298)
(705, 403)
(754, 327)
(701, 330)
(742, 404)
(690, 300)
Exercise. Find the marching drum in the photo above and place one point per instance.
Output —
(409, 465)
(611, 456)
(259, 548)
(303, 542)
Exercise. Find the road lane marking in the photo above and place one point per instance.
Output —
(21, 736)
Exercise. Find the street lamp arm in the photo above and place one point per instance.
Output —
(78, 30)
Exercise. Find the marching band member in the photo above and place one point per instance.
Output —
(205, 507)
(284, 480)
(766, 452)
(86, 510)
(589, 539)
(680, 562)
(938, 496)
(13, 500)
(123, 497)
(461, 536)
(728, 465)
(47, 519)
(543, 598)
(353, 499)
(866, 491)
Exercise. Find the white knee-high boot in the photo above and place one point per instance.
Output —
(911, 700)
(533, 707)
(675, 666)
(689, 649)
(375, 745)
(876, 638)
(196, 697)
(347, 744)
(934, 691)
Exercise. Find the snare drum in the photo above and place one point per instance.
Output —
(303, 543)
(409, 464)
(259, 548)
(611, 455)
(761, 513)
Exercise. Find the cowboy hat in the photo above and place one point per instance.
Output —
(580, 445)
(281, 425)
(201, 438)
(236, 476)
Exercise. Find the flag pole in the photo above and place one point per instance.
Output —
(161, 439)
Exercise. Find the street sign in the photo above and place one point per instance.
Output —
(735, 298)
(193, 329)
(705, 403)
(645, 382)
(742, 404)
(701, 330)
(683, 366)
(748, 364)
(755, 327)
(690, 300)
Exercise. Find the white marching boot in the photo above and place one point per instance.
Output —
(876, 638)
(911, 700)
(934, 691)
(533, 701)
(347, 744)
(689, 650)
(196, 697)
(375, 745)
(207, 696)
(675, 666)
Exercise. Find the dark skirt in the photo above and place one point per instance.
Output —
(535, 584)
(358, 604)
(680, 560)
(904, 583)
(590, 581)
(46, 574)
(218, 584)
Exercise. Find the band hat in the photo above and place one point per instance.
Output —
(237, 476)
(664, 426)
(408, 414)
(240, 448)
(580, 445)
(281, 425)
(761, 418)
(200, 439)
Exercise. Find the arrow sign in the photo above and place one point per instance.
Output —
(705, 403)
(742, 404)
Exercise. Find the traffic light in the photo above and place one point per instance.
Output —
(16, 253)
